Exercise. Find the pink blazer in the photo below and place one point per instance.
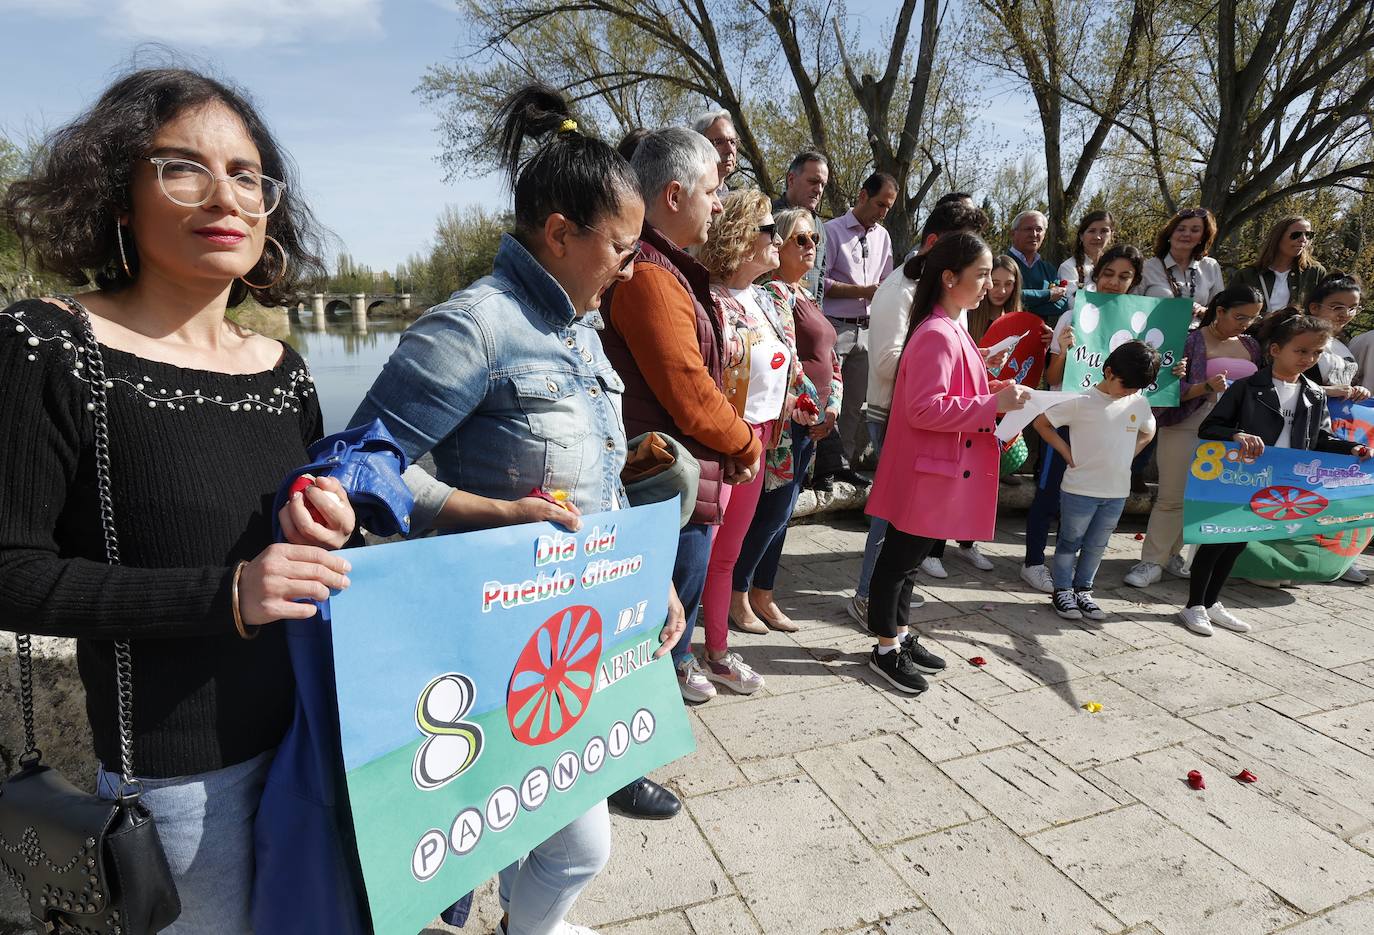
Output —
(937, 475)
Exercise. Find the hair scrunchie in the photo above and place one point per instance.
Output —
(568, 126)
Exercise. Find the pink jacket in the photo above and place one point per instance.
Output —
(937, 476)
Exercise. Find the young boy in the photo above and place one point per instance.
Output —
(1109, 425)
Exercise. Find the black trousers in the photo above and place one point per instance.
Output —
(938, 550)
(894, 576)
(1212, 565)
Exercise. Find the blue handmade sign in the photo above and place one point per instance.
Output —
(1282, 494)
(492, 687)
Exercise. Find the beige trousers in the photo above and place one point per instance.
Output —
(1175, 452)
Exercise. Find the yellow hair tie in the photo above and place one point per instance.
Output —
(568, 126)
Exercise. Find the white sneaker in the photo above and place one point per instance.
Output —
(975, 558)
(1224, 618)
(1196, 619)
(1144, 574)
(1038, 577)
(934, 567)
(693, 683)
(858, 610)
(1266, 582)
(1179, 567)
(734, 673)
(1354, 576)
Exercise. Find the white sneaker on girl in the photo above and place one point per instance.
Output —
(1224, 618)
(1196, 619)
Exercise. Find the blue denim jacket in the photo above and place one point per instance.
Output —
(508, 389)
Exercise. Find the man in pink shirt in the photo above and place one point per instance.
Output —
(858, 258)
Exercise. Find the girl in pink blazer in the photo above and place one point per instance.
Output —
(937, 477)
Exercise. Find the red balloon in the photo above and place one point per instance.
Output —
(1027, 361)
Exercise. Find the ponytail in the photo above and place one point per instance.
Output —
(568, 173)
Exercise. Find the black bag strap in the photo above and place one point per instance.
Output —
(95, 377)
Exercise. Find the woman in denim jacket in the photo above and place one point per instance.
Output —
(507, 385)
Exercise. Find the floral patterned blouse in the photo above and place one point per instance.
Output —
(742, 331)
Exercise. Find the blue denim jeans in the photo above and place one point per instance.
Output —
(1085, 528)
(1045, 506)
(205, 824)
(539, 888)
(761, 550)
(877, 528)
(689, 577)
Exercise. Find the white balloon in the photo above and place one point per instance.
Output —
(1155, 338)
(1138, 321)
(1088, 317)
(1120, 338)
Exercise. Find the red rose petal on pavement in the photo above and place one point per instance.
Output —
(978, 661)
(1195, 779)
(1246, 776)
(1140, 537)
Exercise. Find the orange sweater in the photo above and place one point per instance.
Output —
(656, 318)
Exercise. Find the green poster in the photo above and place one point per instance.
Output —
(1101, 322)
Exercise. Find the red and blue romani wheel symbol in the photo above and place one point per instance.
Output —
(1282, 502)
(551, 687)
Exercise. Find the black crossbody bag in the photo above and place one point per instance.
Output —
(84, 864)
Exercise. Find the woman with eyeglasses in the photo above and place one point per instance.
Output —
(172, 190)
(1284, 272)
(1180, 267)
(767, 384)
(507, 385)
(756, 569)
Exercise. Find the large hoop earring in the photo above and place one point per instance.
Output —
(280, 273)
(119, 238)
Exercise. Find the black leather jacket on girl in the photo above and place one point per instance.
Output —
(1251, 405)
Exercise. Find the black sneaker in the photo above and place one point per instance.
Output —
(1087, 606)
(899, 669)
(925, 660)
(1066, 605)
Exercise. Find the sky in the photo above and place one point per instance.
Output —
(334, 79)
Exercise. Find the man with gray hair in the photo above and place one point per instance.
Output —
(1041, 291)
(719, 131)
(666, 342)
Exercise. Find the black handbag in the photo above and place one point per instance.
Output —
(85, 865)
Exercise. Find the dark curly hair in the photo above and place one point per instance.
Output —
(66, 209)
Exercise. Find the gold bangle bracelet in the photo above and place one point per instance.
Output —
(247, 633)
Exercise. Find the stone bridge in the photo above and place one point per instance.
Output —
(359, 305)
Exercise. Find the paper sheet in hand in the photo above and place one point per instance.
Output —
(1005, 345)
(1040, 400)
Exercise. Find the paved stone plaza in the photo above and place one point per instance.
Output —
(995, 803)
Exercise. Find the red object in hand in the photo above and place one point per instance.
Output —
(1246, 776)
(1063, 284)
(298, 486)
(1195, 779)
(807, 405)
(978, 661)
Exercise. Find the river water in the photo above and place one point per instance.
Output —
(344, 362)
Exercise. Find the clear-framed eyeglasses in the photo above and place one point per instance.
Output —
(190, 184)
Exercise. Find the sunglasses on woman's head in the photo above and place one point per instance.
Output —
(802, 240)
(1302, 235)
(1193, 213)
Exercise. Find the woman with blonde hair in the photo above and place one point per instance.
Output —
(813, 336)
(764, 380)
(1284, 272)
